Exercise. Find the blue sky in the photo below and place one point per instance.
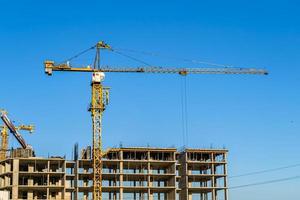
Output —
(255, 117)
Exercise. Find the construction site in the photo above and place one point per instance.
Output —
(133, 173)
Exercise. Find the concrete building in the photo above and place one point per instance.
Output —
(128, 173)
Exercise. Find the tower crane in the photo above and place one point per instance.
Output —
(100, 96)
(8, 125)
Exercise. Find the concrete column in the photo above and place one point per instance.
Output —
(172, 182)
(76, 180)
(85, 196)
(6, 181)
(15, 181)
(109, 193)
(150, 195)
(134, 185)
(213, 192)
(190, 197)
(149, 172)
(63, 196)
(30, 195)
(59, 195)
(30, 168)
(225, 178)
(121, 175)
(7, 167)
(1, 168)
(2, 182)
(183, 173)
(48, 179)
(68, 196)
(30, 182)
(115, 196)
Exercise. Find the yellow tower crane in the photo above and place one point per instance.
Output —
(4, 133)
(100, 96)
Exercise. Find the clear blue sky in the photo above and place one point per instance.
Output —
(255, 117)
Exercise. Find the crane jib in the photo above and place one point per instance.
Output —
(49, 68)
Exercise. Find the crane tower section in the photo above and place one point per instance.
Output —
(100, 96)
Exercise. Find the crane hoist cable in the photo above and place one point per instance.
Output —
(184, 111)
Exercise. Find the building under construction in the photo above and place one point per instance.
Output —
(128, 173)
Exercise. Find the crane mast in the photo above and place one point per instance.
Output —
(100, 96)
(98, 104)
(4, 142)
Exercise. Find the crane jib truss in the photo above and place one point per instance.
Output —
(50, 67)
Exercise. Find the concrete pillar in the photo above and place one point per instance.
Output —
(213, 196)
(7, 167)
(30, 195)
(76, 180)
(134, 185)
(48, 193)
(149, 184)
(59, 195)
(48, 179)
(1, 168)
(150, 195)
(68, 196)
(225, 178)
(85, 196)
(172, 182)
(190, 196)
(121, 176)
(63, 195)
(30, 182)
(30, 168)
(15, 181)
(115, 196)
(6, 181)
(2, 179)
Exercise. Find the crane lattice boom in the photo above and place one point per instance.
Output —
(50, 67)
(13, 130)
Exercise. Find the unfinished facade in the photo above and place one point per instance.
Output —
(128, 173)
